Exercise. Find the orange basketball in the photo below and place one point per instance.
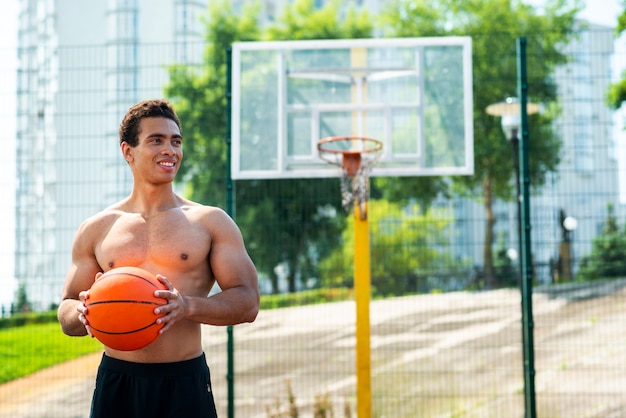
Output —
(120, 308)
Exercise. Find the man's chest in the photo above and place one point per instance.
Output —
(171, 242)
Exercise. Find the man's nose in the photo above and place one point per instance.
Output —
(168, 149)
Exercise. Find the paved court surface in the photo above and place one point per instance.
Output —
(456, 354)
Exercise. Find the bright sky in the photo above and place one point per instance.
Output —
(604, 12)
(597, 11)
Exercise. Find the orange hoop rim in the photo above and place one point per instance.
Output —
(352, 161)
(377, 145)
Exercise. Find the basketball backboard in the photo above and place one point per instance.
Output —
(412, 94)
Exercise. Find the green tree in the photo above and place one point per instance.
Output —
(405, 243)
(607, 255)
(302, 20)
(290, 221)
(616, 94)
(292, 212)
(21, 304)
(494, 26)
(199, 94)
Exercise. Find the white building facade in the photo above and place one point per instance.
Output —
(81, 66)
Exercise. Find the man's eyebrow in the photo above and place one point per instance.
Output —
(159, 134)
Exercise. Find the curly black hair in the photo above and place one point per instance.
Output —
(129, 128)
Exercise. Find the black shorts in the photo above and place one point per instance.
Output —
(134, 390)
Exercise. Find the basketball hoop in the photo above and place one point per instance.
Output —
(356, 156)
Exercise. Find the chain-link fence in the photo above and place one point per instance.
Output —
(442, 343)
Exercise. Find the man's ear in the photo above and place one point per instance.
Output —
(127, 151)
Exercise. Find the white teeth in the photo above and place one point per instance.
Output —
(167, 164)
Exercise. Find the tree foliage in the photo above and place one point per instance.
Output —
(405, 243)
(21, 304)
(616, 94)
(607, 254)
(199, 94)
(302, 20)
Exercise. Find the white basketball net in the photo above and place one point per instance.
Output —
(355, 190)
(356, 157)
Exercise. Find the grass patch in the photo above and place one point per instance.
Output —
(27, 349)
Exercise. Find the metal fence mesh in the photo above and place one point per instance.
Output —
(445, 352)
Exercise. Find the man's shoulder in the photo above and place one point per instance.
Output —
(92, 228)
(209, 215)
(199, 208)
(105, 215)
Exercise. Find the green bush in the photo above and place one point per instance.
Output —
(607, 255)
(28, 318)
(307, 297)
(407, 241)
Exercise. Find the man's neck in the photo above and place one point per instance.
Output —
(150, 202)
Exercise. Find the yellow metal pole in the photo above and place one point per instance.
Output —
(362, 297)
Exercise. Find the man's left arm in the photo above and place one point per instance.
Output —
(235, 273)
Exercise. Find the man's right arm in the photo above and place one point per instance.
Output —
(80, 276)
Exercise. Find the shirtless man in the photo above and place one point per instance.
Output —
(189, 247)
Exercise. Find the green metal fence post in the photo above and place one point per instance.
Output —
(230, 209)
(526, 255)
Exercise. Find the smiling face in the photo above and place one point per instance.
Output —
(159, 150)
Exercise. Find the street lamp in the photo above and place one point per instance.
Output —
(509, 111)
(568, 225)
(510, 114)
